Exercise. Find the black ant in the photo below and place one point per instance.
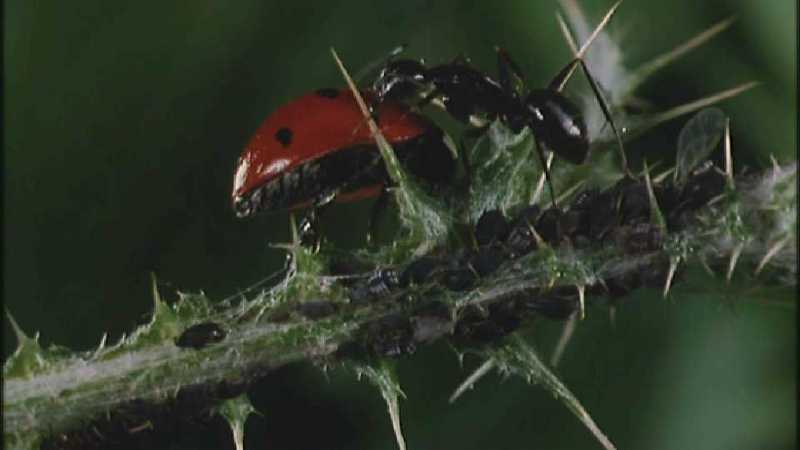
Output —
(475, 98)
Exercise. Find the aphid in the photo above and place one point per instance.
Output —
(492, 226)
(317, 309)
(484, 326)
(639, 238)
(521, 239)
(420, 271)
(392, 336)
(557, 303)
(459, 278)
(379, 285)
(200, 335)
(487, 259)
(549, 226)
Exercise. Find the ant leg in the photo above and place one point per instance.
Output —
(558, 82)
(543, 162)
(377, 209)
(604, 106)
(510, 75)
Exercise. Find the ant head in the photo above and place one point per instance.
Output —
(400, 80)
(557, 123)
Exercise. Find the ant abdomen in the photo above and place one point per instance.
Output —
(557, 123)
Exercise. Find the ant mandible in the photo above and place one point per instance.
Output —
(475, 98)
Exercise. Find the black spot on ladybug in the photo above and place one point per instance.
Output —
(327, 92)
(284, 136)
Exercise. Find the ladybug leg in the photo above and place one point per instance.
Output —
(309, 231)
(309, 226)
(375, 213)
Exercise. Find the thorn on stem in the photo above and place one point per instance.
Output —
(566, 335)
(582, 299)
(728, 155)
(732, 261)
(469, 383)
(673, 267)
(770, 254)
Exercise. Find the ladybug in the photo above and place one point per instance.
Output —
(317, 149)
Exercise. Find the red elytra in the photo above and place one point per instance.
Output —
(294, 154)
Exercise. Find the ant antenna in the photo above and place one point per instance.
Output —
(604, 106)
(561, 78)
(374, 65)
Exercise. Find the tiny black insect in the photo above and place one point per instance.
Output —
(476, 326)
(420, 271)
(201, 335)
(487, 259)
(557, 304)
(316, 309)
(521, 238)
(549, 226)
(491, 226)
(379, 285)
(390, 336)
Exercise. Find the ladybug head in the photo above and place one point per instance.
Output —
(400, 80)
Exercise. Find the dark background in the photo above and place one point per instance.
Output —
(122, 124)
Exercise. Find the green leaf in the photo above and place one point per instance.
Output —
(505, 170)
(519, 358)
(236, 411)
(382, 375)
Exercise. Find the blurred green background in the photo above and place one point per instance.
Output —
(122, 124)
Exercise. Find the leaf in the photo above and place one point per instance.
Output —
(505, 170)
(697, 140)
(383, 376)
(470, 381)
(235, 411)
(519, 358)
